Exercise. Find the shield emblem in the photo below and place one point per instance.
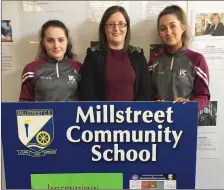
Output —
(35, 128)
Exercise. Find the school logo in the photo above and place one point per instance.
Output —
(135, 177)
(170, 176)
(71, 78)
(35, 131)
(183, 73)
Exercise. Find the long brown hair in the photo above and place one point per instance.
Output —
(181, 16)
(57, 24)
(102, 34)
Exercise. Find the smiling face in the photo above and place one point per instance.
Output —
(171, 30)
(215, 20)
(116, 30)
(55, 42)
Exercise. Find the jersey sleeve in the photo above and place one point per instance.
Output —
(27, 90)
(201, 85)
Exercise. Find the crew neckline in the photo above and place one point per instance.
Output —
(117, 53)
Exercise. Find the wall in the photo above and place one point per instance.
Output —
(210, 172)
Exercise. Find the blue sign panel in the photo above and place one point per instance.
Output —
(152, 144)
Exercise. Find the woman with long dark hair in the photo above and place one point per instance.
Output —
(54, 76)
(178, 73)
(114, 70)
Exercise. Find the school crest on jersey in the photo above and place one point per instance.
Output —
(71, 78)
(183, 73)
(35, 131)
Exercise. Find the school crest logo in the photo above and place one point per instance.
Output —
(183, 73)
(35, 131)
(71, 78)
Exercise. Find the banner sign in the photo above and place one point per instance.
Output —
(146, 144)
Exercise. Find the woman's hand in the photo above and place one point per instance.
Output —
(180, 99)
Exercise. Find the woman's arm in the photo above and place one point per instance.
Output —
(201, 84)
(27, 91)
(144, 92)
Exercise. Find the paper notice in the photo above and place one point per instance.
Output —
(97, 8)
(207, 145)
(7, 58)
(151, 9)
(213, 51)
(43, 6)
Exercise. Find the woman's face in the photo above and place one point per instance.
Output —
(215, 20)
(170, 30)
(55, 43)
(116, 29)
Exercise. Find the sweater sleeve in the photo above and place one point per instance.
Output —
(87, 86)
(144, 93)
(27, 92)
(201, 84)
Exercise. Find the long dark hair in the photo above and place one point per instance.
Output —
(102, 35)
(57, 24)
(181, 16)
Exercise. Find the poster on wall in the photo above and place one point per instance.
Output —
(208, 116)
(7, 45)
(213, 52)
(208, 25)
(207, 140)
(95, 9)
(151, 9)
(7, 58)
(208, 146)
(43, 6)
(6, 31)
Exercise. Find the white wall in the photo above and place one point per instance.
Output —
(210, 172)
(26, 26)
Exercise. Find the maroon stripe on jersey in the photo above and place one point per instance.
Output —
(201, 84)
